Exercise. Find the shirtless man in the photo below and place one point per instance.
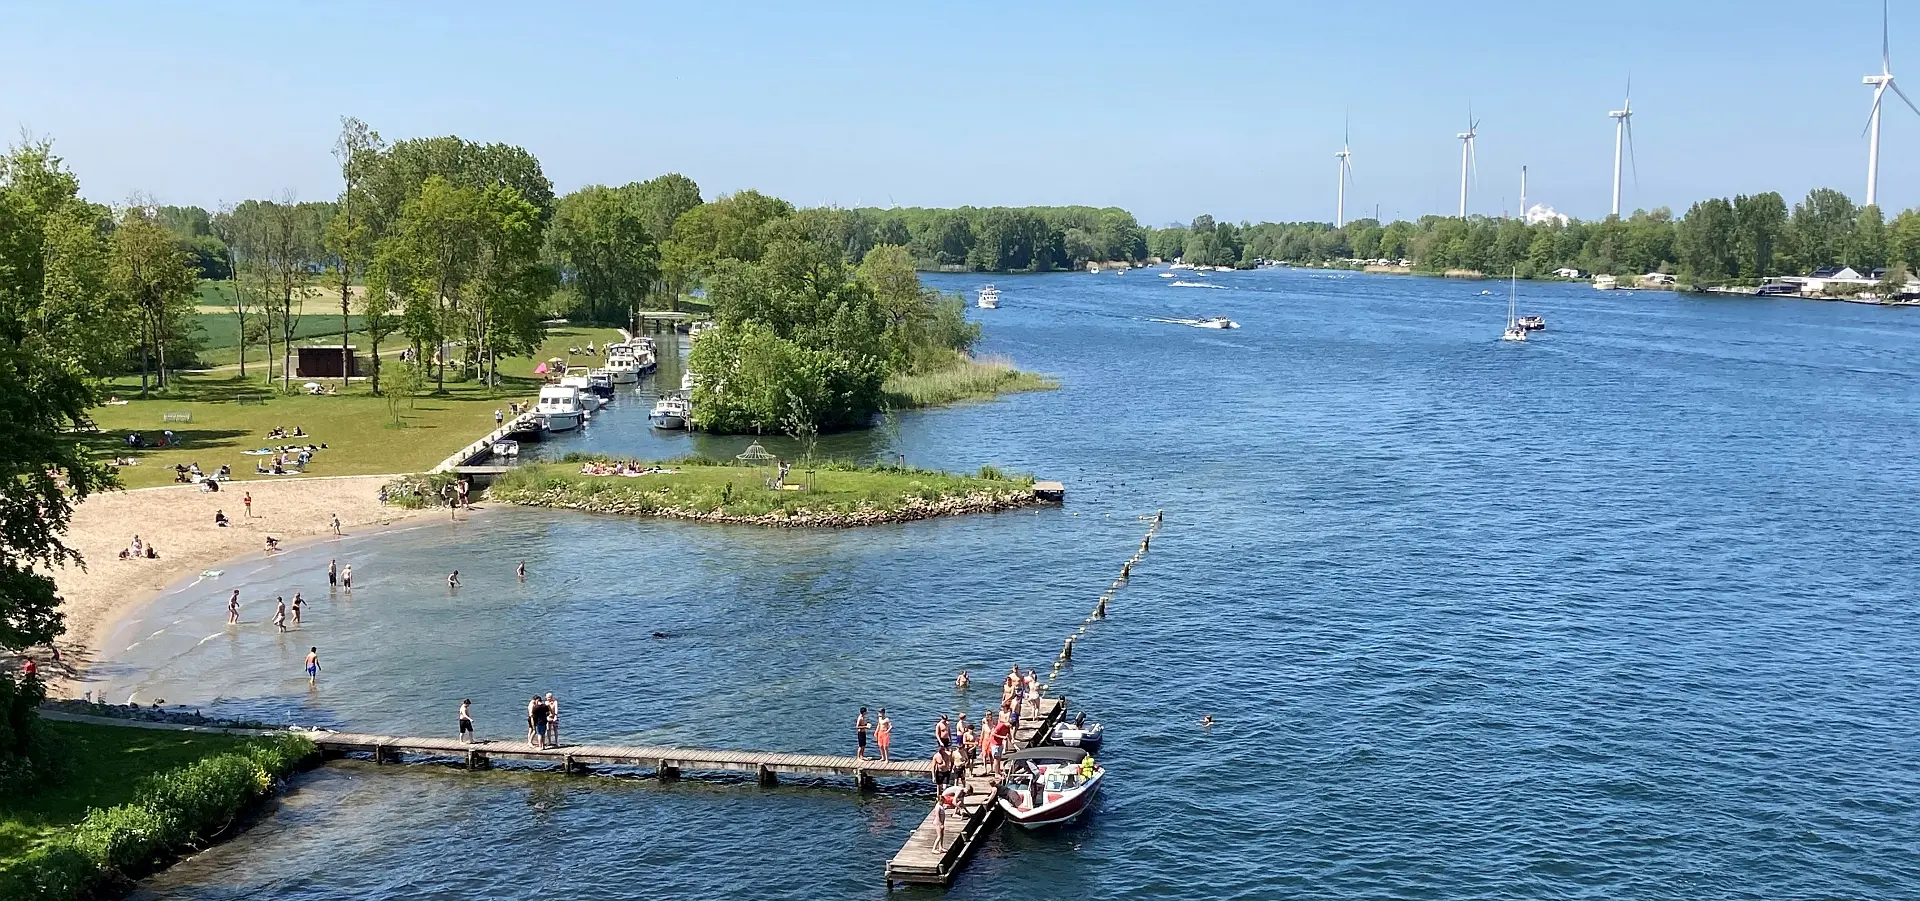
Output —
(961, 681)
(280, 614)
(553, 721)
(233, 608)
(333, 573)
(860, 734)
(942, 733)
(466, 720)
(313, 665)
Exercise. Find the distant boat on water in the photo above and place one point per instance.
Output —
(1515, 331)
(989, 298)
(1212, 322)
(1187, 284)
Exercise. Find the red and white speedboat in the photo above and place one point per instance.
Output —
(1049, 786)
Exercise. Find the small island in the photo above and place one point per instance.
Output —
(823, 495)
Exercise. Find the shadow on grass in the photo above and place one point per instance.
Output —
(114, 443)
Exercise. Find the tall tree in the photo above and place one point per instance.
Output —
(356, 149)
(1867, 244)
(1759, 220)
(150, 272)
(600, 237)
(509, 281)
(1820, 228)
(1706, 242)
(226, 227)
(435, 243)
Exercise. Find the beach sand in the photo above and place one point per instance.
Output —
(178, 522)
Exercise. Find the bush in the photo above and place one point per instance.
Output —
(127, 839)
(52, 872)
(28, 758)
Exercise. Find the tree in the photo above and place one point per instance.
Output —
(1706, 242)
(1759, 220)
(1820, 228)
(509, 281)
(45, 385)
(1903, 242)
(600, 237)
(152, 274)
(1866, 246)
(347, 237)
(434, 246)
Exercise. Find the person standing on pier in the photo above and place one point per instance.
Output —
(860, 734)
(536, 723)
(883, 735)
(553, 721)
(466, 721)
(942, 733)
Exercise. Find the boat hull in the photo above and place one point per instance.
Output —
(561, 422)
(1068, 808)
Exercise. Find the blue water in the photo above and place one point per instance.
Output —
(1623, 612)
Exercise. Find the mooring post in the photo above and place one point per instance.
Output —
(767, 776)
(863, 780)
(667, 771)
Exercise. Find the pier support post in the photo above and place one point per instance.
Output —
(768, 778)
(477, 760)
(667, 771)
(863, 780)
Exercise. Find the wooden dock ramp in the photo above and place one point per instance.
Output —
(924, 860)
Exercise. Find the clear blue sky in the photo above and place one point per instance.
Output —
(1168, 109)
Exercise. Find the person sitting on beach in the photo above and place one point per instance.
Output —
(152, 554)
(297, 433)
(273, 544)
(261, 469)
(278, 469)
(220, 518)
(225, 473)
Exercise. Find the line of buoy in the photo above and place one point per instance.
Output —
(1100, 609)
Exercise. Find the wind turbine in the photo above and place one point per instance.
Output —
(1466, 157)
(1623, 133)
(1880, 83)
(1345, 156)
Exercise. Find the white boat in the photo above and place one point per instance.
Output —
(506, 447)
(622, 365)
(686, 380)
(1605, 283)
(1048, 786)
(578, 379)
(1078, 734)
(559, 407)
(1515, 331)
(699, 328)
(1214, 322)
(1167, 275)
(670, 412)
(989, 298)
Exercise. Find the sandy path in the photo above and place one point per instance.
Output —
(178, 522)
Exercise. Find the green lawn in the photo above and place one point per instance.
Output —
(107, 764)
(230, 415)
(742, 491)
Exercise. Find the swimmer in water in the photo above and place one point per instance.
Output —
(280, 614)
(521, 571)
(1206, 722)
(961, 681)
(313, 665)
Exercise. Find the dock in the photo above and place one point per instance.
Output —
(922, 860)
(517, 424)
(665, 762)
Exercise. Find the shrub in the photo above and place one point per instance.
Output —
(128, 839)
(55, 871)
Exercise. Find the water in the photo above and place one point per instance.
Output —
(1623, 612)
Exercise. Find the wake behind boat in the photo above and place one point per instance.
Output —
(1187, 284)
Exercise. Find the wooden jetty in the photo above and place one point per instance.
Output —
(667, 763)
(925, 861)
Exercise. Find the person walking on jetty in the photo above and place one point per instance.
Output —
(553, 721)
(860, 734)
(883, 734)
(280, 614)
(233, 608)
(466, 721)
(313, 665)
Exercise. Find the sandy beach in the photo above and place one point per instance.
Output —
(178, 522)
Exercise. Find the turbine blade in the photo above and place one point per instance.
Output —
(1886, 58)
(1903, 96)
(1875, 109)
(1631, 157)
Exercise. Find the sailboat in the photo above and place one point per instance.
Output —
(1515, 331)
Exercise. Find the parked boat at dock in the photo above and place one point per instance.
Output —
(670, 412)
(506, 447)
(559, 408)
(1049, 786)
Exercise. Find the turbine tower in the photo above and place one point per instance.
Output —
(1523, 193)
(1345, 156)
(1466, 158)
(1880, 84)
(1623, 135)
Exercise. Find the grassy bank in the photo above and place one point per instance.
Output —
(230, 415)
(835, 494)
(132, 799)
(966, 379)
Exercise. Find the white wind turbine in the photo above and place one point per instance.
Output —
(1466, 158)
(1623, 134)
(1880, 83)
(1345, 156)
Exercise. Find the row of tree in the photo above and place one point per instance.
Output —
(1718, 241)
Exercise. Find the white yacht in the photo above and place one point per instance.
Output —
(644, 359)
(671, 412)
(559, 407)
(1605, 283)
(1515, 331)
(622, 365)
(579, 378)
(989, 298)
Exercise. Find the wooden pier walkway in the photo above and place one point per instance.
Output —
(925, 861)
(666, 762)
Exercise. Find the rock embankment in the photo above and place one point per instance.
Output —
(637, 503)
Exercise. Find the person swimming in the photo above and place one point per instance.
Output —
(961, 681)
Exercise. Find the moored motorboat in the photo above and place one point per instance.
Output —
(576, 377)
(506, 447)
(622, 365)
(559, 408)
(670, 412)
(1531, 323)
(600, 382)
(1078, 735)
(1049, 785)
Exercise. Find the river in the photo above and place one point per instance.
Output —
(1625, 611)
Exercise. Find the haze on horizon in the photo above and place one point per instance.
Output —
(1170, 111)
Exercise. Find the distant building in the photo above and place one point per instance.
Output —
(1820, 280)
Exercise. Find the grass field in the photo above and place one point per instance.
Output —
(230, 415)
(107, 764)
(742, 491)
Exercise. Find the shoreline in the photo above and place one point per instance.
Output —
(178, 521)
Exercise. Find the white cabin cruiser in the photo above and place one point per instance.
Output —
(1048, 786)
(671, 412)
(506, 447)
(559, 407)
(623, 367)
(578, 378)
(989, 298)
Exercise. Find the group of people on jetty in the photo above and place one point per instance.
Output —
(959, 748)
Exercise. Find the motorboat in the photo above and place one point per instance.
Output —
(1217, 322)
(989, 298)
(623, 366)
(1515, 331)
(1049, 786)
(1605, 283)
(1532, 323)
(1168, 275)
(576, 377)
(1188, 284)
(506, 447)
(600, 382)
(1078, 735)
(670, 412)
(559, 408)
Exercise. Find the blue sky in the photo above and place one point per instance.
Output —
(1169, 109)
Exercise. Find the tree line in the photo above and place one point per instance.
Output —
(1720, 241)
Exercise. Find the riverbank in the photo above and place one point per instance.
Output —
(178, 523)
(831, 496)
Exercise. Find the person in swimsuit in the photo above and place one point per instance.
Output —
(536, 722)
(553, 720)
(280, 614)
(860, 734)
(233, 608)
(883, 734)
(246, 500)
(961, 681)
(333, 573)
(346, 578)
(313, 665)
(453, 579)
(297, 604)
(521, 571)
(466, 720)
(336, 525)
(942, 733)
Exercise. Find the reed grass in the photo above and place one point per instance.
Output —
(967, 378)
